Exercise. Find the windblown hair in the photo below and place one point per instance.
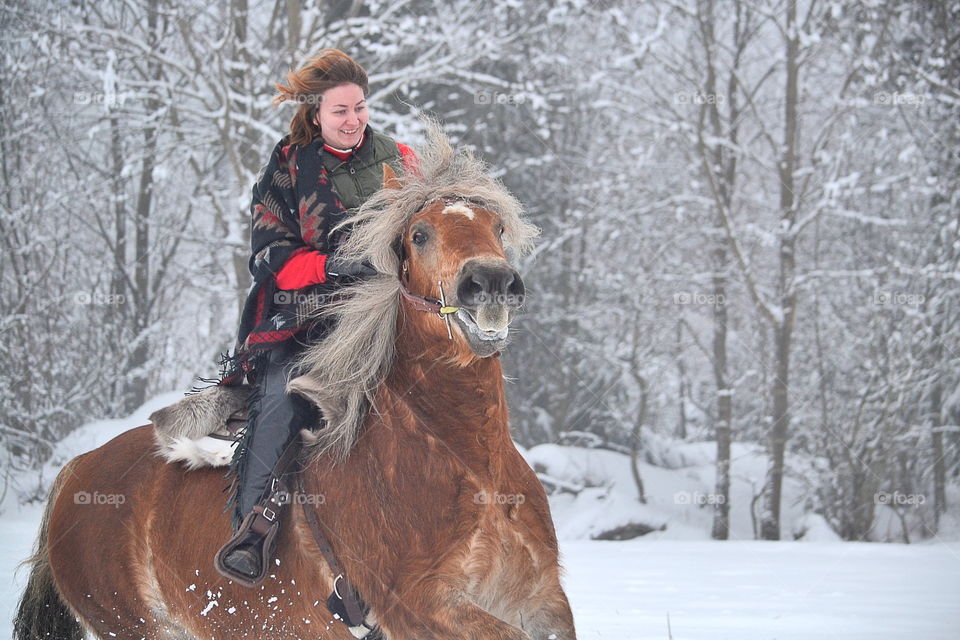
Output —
(328, 69)
(344, 371)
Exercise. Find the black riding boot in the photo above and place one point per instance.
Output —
(275, 420)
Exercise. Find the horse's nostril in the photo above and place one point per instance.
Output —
(516, 286)
(476, 285)
(470, 290)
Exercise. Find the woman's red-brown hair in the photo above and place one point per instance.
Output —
(328, 69)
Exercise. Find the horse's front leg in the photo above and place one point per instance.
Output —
(547, 615)
(460, 618)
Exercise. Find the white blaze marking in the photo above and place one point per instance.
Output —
(459, 207)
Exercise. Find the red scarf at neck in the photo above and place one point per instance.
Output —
(344, 155)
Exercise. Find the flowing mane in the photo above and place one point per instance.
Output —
(343, 372)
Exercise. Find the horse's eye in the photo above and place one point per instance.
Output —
(502, 229)
(419, 238)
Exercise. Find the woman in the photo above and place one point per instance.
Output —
(329, 164)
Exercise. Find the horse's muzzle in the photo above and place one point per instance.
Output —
(489, 283)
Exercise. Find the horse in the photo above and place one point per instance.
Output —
(434, 515)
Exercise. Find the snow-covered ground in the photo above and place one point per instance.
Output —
(673, 583)
(644, 589)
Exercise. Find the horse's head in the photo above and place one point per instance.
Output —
(453, 250)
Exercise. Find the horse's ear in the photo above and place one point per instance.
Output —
(390, 179)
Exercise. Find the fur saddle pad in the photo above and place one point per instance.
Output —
(202, 429)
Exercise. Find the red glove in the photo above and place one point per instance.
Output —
(302, 269)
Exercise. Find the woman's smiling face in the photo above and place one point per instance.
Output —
(342, 116)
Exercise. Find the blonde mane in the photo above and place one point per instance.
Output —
(343, 372)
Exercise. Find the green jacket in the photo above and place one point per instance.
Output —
(362, 175)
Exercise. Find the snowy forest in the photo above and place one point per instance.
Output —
(749, 214)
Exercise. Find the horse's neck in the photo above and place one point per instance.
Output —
(464, 406)
(436, 389)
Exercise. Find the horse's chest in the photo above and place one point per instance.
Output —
(502, 562)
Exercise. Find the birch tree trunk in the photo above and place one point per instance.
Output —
(786, 293)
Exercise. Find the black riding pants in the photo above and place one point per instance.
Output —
(277, 417)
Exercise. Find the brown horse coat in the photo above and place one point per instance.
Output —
(438, 521)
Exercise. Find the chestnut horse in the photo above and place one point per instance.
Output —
(433, 514)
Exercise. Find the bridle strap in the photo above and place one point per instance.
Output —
(423, 303)
(420, 303)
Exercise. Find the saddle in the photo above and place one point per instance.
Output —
(202, 429)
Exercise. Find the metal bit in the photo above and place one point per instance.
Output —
(443, 303)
